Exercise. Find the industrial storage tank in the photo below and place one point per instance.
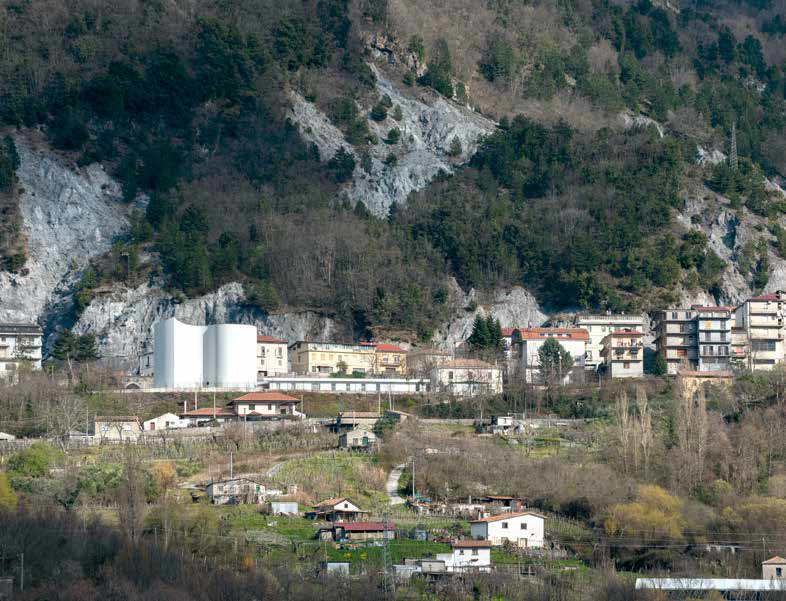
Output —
(216, 356)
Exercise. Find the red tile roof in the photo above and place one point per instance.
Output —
(765, 297)
(390, 348)
(508, 332)
(265, 397)
(624, 333)
(364, 526)
(208, 412)
(270, 339)
(504, 516)
(558, 333)
(470, 544)
(777, 559)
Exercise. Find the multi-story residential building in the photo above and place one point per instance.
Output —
(332, 357)
(713, 327)
(761, 318)
(466, 377)
(19, 343)
(676, 339)
(271, 357)
(390, 359)
(600, 326)
(527, 343)
(623, 354)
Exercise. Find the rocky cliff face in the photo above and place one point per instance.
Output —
(428, 127)
(70, 215)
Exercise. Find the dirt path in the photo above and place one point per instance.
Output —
(391, 486)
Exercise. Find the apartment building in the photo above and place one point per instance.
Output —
(271, 357)
(332, 357)
(676, 338)
(466, 377)
(19, 343)
(527, 343)
(761, 319)
(600, 326)
(623, 354)
(713, 327)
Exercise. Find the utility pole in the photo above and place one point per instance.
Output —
(231, 466)
(413, 477)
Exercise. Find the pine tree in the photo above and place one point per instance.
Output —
(86, 347)
(479, 339)
(65, 346)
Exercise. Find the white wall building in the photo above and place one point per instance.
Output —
(599, 326)
(466, 377)
(467, 556)
(167, 421)
(215, 356)
(527, 343)
(348, 385)
(255, 405)
(117, 428)
(524, 529)
(19, 342)
(272, 359)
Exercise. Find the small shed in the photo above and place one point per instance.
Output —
(773, 568)
(283, 507)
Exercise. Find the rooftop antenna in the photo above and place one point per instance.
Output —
(733, 147)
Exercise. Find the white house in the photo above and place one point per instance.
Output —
(466, 377)
(358, 438)
(272, 359)
(167, 421)
(215, 356)
(467, 556)
(117, 428)
(258, 405)
(523, 529)
(527, 343)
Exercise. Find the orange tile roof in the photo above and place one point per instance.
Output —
(390, 348)
(265, 397)
(765, 297)
(505, 516)
(557, 333)
(331, 502)
(470, 544)
(776, 559)
(508, 332)
(270, 339)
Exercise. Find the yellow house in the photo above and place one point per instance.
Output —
(331, 357)
(390, 359)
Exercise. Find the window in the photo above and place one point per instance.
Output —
(523, 526)
(505, 525)
(475, 552)
(450, 375)
(270, 407)
(589, 354)
(461, 551)
(252, 407)
(674, 315)
(778, 572)
(626, 364)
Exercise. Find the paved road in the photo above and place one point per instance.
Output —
(392, 484)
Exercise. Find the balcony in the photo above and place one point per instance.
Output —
(771, 335)
(713, 352)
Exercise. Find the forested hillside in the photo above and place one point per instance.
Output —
(187, 105)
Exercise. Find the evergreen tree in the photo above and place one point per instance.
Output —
(65, 346)
(86, 347)
(494, 330)
(455, 147)
(555, 362)
(660, 368)
(479, 339)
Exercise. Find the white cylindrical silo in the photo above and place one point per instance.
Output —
(234, 355)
